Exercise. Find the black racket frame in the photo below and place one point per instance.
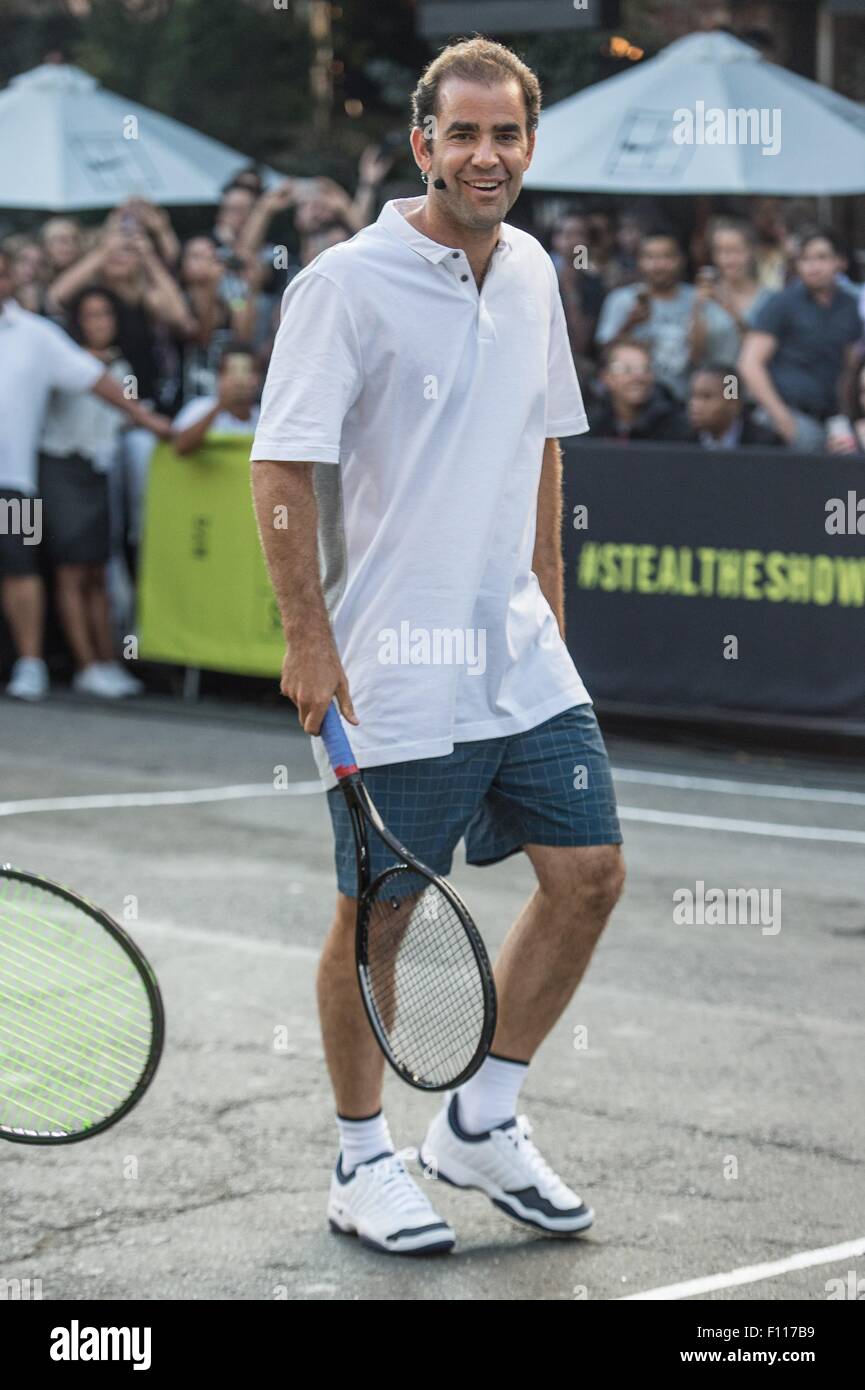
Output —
(362, 809)
(154, 996)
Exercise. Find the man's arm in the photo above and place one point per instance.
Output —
(847, 380)
(76, 276)
(287, 514)
(162, 296)
(757, 352)
(187, 438)
(618, 319)
(547, 561)
(109, 388)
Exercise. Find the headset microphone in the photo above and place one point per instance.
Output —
(439, 183)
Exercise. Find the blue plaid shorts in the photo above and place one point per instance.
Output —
(550, 785)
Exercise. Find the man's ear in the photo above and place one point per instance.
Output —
(422, 155)
(530, 148)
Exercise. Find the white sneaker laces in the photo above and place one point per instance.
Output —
(401, 1190)
(519, 1135)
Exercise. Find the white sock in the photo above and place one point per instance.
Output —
(364, 1139)
(489, 1098)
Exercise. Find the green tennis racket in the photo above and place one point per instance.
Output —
(81, 1017)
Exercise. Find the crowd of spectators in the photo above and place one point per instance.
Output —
(770, 320)
(111, 338)
(752, 335)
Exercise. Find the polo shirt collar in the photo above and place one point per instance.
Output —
(392, 219)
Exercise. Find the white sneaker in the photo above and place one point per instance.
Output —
(29, 679)
(506, 1165)
(92, 680)
(124, 682)
(381, 1204)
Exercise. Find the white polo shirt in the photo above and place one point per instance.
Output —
(424, 405)
(35, 357)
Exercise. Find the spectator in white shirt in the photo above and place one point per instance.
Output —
(35, 357)
(233, 410)
(79, 450)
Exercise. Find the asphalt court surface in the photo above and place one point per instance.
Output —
(710, 1049)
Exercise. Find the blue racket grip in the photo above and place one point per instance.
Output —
(342, 759)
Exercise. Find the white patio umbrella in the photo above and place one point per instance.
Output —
(625, 135)
(66, 143)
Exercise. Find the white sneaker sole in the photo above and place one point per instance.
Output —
(460, 1176)
(428, 1240)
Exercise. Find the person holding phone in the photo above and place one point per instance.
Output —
(234, 408)
(665, 312)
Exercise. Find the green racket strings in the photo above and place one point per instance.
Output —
(76, 1025)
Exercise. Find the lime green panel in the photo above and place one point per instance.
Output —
(204, 595)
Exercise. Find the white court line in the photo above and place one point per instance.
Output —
(752, 1274)
(742, 827)
(112, 800)
(202, 936)
(720, 784)
(117, 800)
(711, 1283)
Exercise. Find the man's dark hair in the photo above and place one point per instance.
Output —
(245, 177)
(231, 350)
(718, 369)
(232, 184)
(809, 234)
(609, 350)
(474, 60)
(659, 232)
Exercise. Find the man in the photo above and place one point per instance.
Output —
(667, 314)
(35, 357)
(420, 377)
(634, 405)
(607, 261)
(582, 291)
(719, 417)
(799, 359)
(233, 410)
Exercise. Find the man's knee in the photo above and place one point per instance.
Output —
(589, 880)
(598, 883)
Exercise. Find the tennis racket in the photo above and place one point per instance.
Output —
(425, 977)
(81, 1018)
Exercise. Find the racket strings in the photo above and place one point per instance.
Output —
(76, 1024)
(423, 977)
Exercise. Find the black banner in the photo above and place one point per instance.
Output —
(701, 579)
